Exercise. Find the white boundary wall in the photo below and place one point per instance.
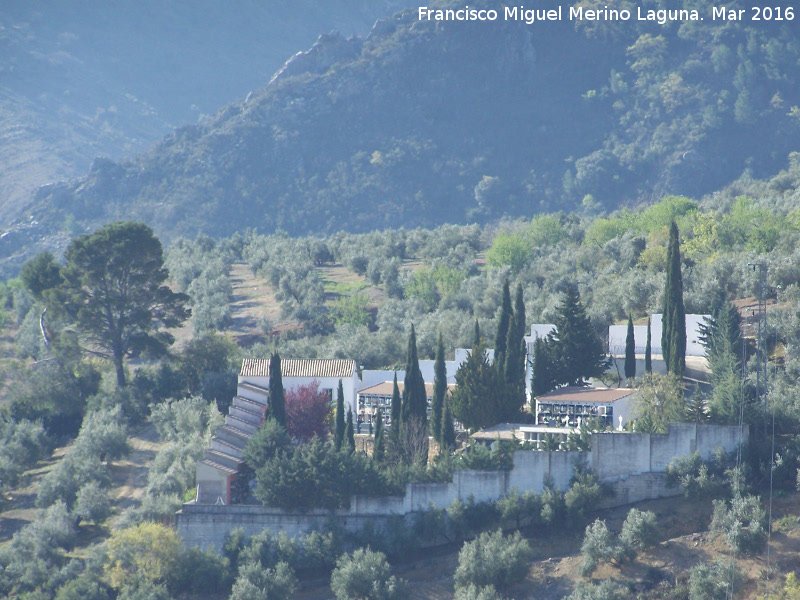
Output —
(632, 464)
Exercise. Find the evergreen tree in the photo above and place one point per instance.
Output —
(502, 326)
(696, 409)
(544, 367)
(349, 432)
(378, 445)
(415, 398)
(576, 343)
(448, 432)
(673, 318)
(513, 373)
(630, 352)
(113, 288)
(277, 398)
(396, 410)
(439, 390)
(476, 336)
(519, 313)
(721, 335)
(648, 351)
(475, 401)
(338, 438)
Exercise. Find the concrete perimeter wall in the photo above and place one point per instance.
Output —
(631, 464)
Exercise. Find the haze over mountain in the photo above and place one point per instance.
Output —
(421, 123)
(98, 78)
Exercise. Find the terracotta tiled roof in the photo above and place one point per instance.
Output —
(585, 394)
(300, 367)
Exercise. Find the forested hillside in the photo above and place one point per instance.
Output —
(108, 79)
(357, 296)
(422, 123)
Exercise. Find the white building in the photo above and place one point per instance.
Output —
(617, 335)
(568, 406)
(218, 470)
(297, 372)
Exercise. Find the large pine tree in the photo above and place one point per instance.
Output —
(277, 398)
(575, 342)
(415, 399)
(673, 318)
(630, 352)
(439, 390)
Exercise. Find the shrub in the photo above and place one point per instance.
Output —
(316, 475)
(92, 503)
(200, 571)
(365, 575)
(473, 592)
(698, 479)
(605, 590)
(143, 589)
(257, 583)
(492, 559)
(553, 507)
(743, 523)
(715, 581)
(639, 531)
(148, 550)
(598, 547)
(265, 444)
(34, 558)
(22, 444)
(85, 587)
(583, 496)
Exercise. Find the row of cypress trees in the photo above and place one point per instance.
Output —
(673, 319)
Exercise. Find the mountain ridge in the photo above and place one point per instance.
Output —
(420, 123)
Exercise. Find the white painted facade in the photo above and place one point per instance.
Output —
(617, 335)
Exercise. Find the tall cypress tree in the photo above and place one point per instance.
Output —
(502, 326)
(439, 390)
(630, 352)
(513, 373)
(378, 445)
(476, 336)
(673, 318)
(349, 432)
(519, 313)
(648, 351)
(415, 399)
(448, 432)
(338, 438)
(277, 398)
(396, 410)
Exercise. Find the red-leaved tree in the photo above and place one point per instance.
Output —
(308, 412)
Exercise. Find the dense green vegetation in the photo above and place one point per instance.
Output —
(616, 263)
(466, 123)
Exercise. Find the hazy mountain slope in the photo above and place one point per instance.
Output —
(79, 80)
(423, 123)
